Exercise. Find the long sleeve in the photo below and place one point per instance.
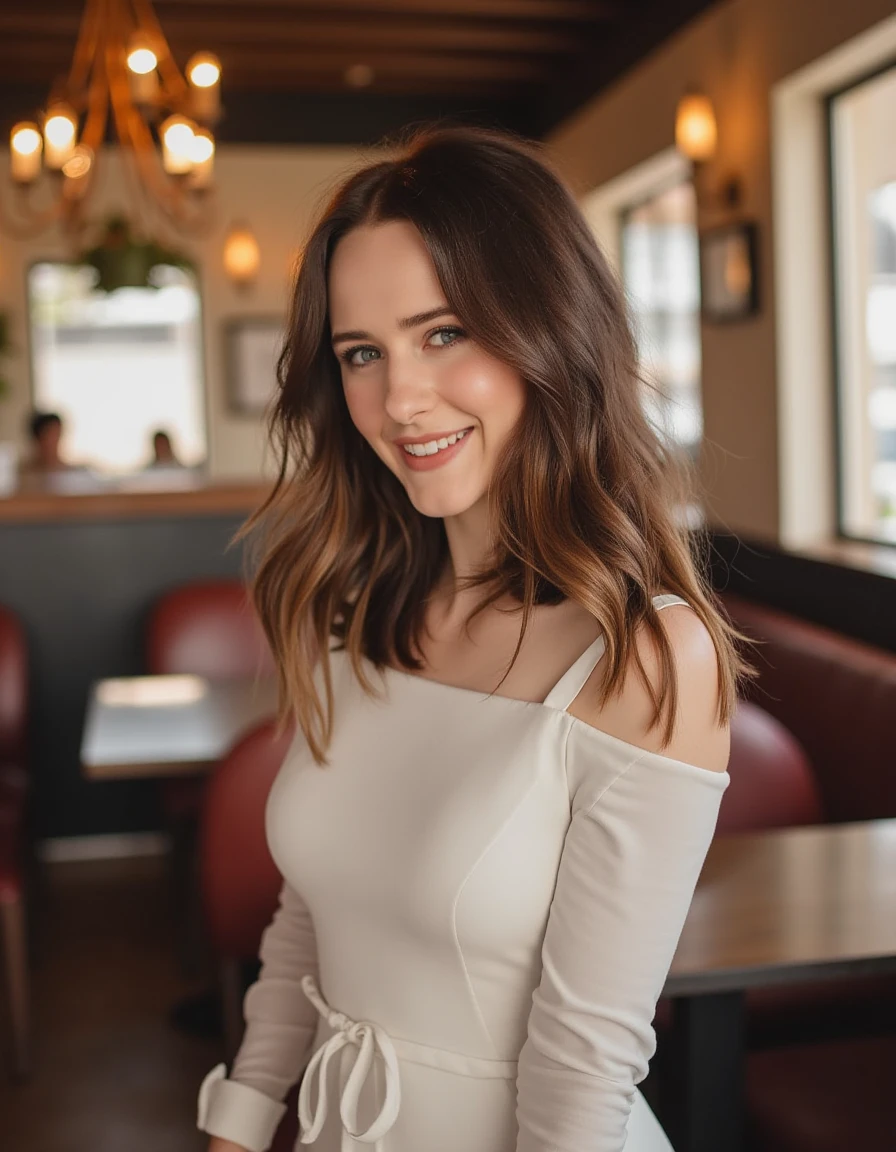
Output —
(280, 1026)
(640, 827)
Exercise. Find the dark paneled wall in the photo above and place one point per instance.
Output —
(855, 602)
(83, 591)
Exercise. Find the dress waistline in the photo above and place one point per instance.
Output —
(369, 1039)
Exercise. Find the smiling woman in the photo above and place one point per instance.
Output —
(414, 386)
(511, 683)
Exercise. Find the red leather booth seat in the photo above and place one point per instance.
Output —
(837, 696)
(13, 832)
(772, 783)
(207, 628)
(240, 882)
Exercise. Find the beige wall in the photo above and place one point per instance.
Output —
(735, 53)
(277, 190)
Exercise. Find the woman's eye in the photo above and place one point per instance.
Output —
(448, 336)
(359, 356)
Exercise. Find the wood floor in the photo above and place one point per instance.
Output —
(110, 1072)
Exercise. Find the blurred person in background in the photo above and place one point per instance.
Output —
(163, 455)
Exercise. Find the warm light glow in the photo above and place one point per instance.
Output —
(695, 127)
(202, 147)
(359, 75)
(60, 128)
(204, 70)
(25, 145)
(25, 139)
(202, 153)
(142, 60)
(177, 145)
(242, 257)
(79, 163)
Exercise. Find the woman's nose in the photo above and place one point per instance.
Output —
(408, 393)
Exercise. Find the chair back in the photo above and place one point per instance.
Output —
(13, 690)
(208, 628)
(240, 882)
(772, 783)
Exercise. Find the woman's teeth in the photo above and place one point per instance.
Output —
(434, 446)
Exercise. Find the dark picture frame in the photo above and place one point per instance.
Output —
(729, 281)
(252, 345)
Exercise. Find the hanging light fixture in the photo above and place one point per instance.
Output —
(122, 69)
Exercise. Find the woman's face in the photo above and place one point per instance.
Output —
(434, 406)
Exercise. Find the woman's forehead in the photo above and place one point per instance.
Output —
(381, 270)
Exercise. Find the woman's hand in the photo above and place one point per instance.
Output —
(219, 1145)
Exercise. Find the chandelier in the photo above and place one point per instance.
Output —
(122, 71)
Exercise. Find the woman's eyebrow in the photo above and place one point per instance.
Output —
(408, 322)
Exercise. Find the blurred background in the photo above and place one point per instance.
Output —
(737, 163)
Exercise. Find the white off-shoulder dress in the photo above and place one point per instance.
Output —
(482, 898)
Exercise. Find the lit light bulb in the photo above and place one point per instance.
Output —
(142, 64)
(25, 146)
(204, 74)
(142, 60)
(177, 144)
(60, 128)
(242, 257)
(204, 70)
(695, 127)
(202, 153)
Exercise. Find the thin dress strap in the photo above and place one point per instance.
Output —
(574, 679)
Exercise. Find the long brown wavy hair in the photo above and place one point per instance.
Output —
(588, 500)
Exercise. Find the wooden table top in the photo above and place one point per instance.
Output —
(144, 726)
(788, 905)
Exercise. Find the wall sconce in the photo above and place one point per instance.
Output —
(696, 136)
(242, 257)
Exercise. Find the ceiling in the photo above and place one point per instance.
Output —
(347, 71)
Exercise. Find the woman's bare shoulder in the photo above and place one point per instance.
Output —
(697, 737)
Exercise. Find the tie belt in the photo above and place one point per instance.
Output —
(369, 1039)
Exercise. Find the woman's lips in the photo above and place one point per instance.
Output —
(437, 460)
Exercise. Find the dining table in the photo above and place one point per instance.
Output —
(161, 726)
(780, 906)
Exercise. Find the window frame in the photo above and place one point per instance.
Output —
(201, 352)
(836, 300)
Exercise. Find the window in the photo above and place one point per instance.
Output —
(661, 273)
(118, 366)
(863, 183)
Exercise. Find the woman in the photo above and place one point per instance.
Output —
(511, 686)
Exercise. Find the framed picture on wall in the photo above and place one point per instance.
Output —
(252, 346)
(728, 279)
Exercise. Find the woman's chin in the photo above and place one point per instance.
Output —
(440, 505)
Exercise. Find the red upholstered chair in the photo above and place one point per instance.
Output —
(207, 628)
(772, 783)
(239, 880)
(13, 832)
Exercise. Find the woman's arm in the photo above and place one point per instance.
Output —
(641, 824)
(243, 1111)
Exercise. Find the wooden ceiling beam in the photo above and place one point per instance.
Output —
(454, 37)
(500, 70)
(551, 11)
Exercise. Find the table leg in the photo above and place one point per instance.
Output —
(701, 1090)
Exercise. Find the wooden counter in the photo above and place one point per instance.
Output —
(133, 501)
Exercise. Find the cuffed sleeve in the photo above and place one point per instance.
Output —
(280, 1027)
(236, 1112)
(633, 853)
